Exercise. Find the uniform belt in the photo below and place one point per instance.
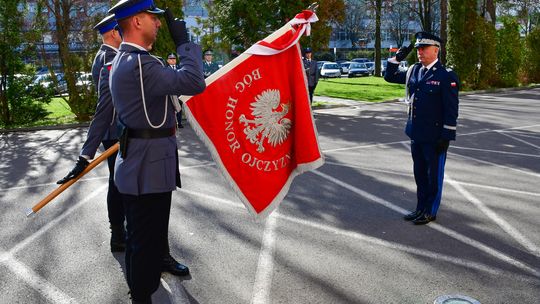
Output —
(151, 133)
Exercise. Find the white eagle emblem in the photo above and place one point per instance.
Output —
(268, 123)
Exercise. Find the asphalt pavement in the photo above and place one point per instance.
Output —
(338, 236)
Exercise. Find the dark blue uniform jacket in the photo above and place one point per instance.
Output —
(103, 126)
(433, 109)
(141, 85)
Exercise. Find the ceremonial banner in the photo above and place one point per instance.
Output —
(256, 119)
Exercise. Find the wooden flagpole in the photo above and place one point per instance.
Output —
(66, 185)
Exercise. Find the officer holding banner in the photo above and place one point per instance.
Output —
(103, 129)
(146, 170)
(432, 94)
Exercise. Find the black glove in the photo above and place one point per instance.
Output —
(177, 28)
(441, 146)
(403, 51)
(81, 164)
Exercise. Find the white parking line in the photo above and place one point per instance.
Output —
(495, 151)
(47, 290)
(513, 232)
(494, 164)
(519, 139)
(458, 236)
(374, 240)
(56, 220)
(392, 172)
(265, 265)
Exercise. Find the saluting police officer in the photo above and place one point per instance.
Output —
(104, 129)
(146, 170)
(432, 94)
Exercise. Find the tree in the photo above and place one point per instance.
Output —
(164, 44)
(527, 12)
(443, 33)
(357, 22)
(462, 46)
(397, 18)
(508, 52)
(378, 12)
(244, 22)
(19, 103)
(425, 14)
(532, 56)
(73, 30)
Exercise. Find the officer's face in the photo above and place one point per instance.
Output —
(308, 55)
(427, 54)
(171, 61)
(208, 57)
(150, 25)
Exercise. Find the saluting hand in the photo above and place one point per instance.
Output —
(403, 52)
(177, 28)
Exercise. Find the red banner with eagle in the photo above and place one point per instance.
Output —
(256, 120)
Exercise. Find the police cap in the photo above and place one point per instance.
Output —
(171, 56)
(425, 39)
(208, 52)
(128, 8)
(108, 23)
(307, 50)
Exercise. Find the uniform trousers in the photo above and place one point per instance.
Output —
(147, 217)
(429, 175)
(115, 207)
(311, 89)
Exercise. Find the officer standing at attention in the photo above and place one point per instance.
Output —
(146, 169)
(432, 94)
(209, 67)
(171, 61)
(312, 73)
(103, 129)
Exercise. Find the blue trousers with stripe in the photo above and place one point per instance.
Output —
(429, 175)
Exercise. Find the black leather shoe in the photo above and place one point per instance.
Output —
(170, 265)
(424, 219)
(411, 216)
(118, 238)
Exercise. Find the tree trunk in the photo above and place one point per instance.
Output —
(378, 9)
(444, 34)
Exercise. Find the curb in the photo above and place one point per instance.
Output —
(336, 104)
(38, 128)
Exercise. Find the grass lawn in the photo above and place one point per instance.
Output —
(360, 88)
(59, 114)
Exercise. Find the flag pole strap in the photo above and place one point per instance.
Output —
(103, 156)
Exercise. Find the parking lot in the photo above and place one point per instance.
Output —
(338, 236)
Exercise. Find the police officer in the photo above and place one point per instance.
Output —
(146, 169)
(171, 61)
(103, 129)
(312, 73)
(209, 67)
(432, 94)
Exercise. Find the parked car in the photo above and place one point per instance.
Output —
(84, 79)
(360, 60)
(371, 67)
(46, 81)
(330, 69)
(345, 67)
(384, 62)
(403, 66)
(358, 69)
(319, 65)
